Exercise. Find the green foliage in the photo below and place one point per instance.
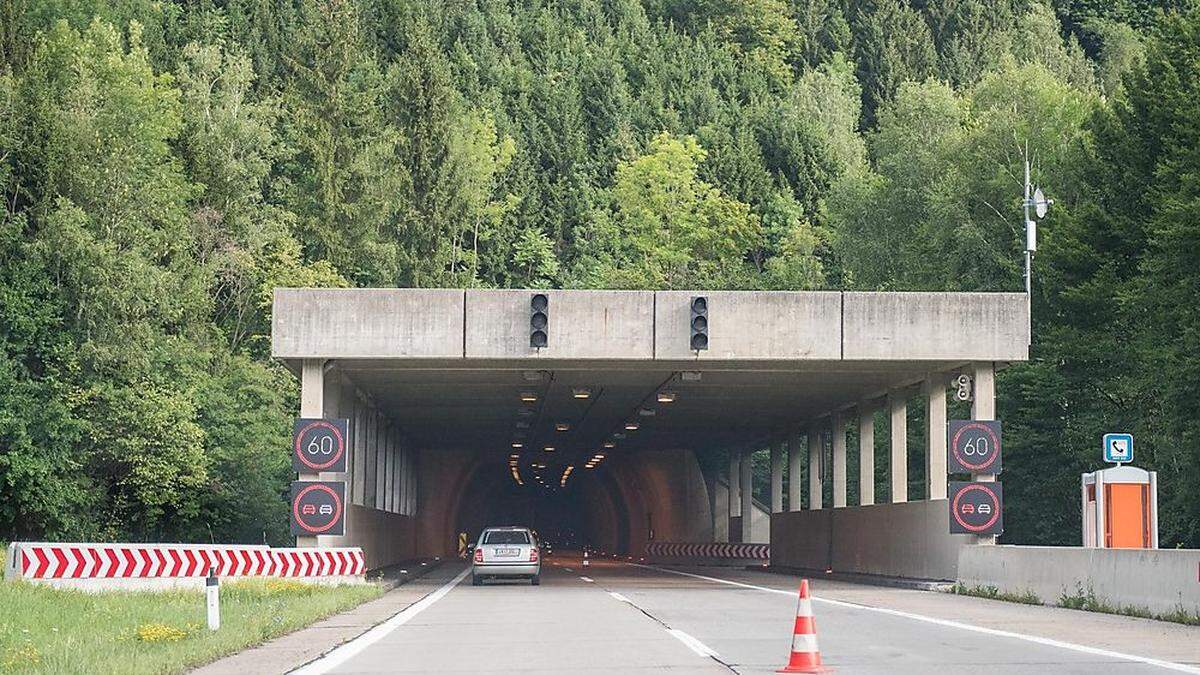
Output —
(164, 166)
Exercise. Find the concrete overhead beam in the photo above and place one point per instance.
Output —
(367, 323)
(936, 326)
(780, 326)
(751, 325)
(583, 325)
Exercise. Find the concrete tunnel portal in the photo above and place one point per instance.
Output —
(608, 435)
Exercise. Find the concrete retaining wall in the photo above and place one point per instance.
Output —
(1162, 580)
(909, 540)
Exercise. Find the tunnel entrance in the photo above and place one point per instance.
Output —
(593, 435)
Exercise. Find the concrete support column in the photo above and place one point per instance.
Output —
(312, 404)
(983, 407)
(935, 436)
(839, 460)
(777, 450)
(795, 468)
(747, 490)
(814, 467)
(866, 453)
(735, 495)
(898, 411)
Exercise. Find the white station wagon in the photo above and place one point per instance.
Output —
(506, 552)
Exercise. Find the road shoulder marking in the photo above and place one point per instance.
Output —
(1049, 642)
(588, 579)
(349, 650)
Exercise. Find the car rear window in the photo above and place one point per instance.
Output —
(506, 537)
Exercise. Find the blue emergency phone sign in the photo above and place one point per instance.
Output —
(1118, 448)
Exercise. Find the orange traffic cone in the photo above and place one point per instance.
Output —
(806, 658)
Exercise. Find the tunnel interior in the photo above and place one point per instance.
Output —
(603, 454)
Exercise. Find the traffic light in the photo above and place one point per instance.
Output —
(699, 324)
(539, 320)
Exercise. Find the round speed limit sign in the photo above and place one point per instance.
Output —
(973, 446)
(319, 445)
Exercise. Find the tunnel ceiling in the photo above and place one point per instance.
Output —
(447, 405)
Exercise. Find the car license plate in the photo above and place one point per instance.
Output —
(508, 552)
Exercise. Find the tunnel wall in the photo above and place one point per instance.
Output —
(381, 485)
(910, 540)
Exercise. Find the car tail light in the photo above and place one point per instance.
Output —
(533, 554)
(478, 555)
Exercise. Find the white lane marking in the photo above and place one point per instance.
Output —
(692, 643)
(620, 597)
(588, 579)
(356, 646)
(1049, 642)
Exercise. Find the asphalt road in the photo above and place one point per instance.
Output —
(621, 618)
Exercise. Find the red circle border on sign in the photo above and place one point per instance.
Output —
(976, 528)
(337, 433)
(332, 521)
(995, 442)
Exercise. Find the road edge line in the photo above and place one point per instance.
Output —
(348, 650)
(1050, 642)
(693, 644)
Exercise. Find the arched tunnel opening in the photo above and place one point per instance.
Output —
(567, 509)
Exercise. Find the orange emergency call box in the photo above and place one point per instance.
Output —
(1120, 508)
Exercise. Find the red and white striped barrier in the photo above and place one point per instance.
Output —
(713, 550)
(67, 562)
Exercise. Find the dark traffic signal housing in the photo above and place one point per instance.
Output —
(699, 323)
(539, 320)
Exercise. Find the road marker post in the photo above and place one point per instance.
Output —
(585, 558)
(212, 592)
(805, 656)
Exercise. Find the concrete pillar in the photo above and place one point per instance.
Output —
(747, 490)
(839, 460)
(935, 436)
(814, 467)
(735, 477)
(983, 407)
(777, 450)
(866, 453)
(795, 464)
(898, 411)
(312, 404)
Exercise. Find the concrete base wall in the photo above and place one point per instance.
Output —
(730, 529)
(385, 538)
(909, 540)
(1161, 580)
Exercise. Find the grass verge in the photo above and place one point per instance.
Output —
(45, 630)
(1087, 601)
(993, 593)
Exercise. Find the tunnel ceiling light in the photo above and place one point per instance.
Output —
(581, 392)
(666, 397)
(514, 456)
(522, 424)
(599, 455)
(518, 444)
(549, 448)
(618, 435)
(646, 412)
(562, 426)
(525, 412)
(609, 444)
(528, 396)
(631, 425)
(690, 376)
